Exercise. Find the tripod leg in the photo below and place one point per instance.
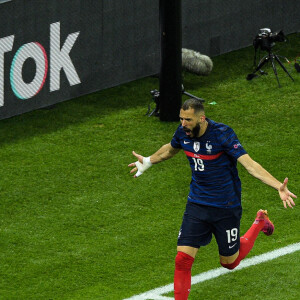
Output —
(283, 67)
(274, 69)
(261, 63)
(282, 57)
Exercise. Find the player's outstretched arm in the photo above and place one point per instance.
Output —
(144, 163)
(256, 170)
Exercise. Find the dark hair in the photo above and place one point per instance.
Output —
(193, 103)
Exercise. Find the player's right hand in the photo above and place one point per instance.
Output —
(141, 165)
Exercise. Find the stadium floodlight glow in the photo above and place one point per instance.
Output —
(59, 60)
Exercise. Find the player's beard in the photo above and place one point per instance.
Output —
(193, 132)
(196, 130)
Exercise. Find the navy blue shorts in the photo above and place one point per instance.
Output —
(200, 222)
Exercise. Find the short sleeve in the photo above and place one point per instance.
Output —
(175, 142)
(230, 143)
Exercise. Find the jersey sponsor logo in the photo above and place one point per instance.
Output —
(196, 146)
(237, 145)
(186, 142)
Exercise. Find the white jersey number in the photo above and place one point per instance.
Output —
(232, 235)
(199, 165)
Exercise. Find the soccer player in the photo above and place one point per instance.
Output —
(214, 200)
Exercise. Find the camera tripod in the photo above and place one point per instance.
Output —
(273, 58)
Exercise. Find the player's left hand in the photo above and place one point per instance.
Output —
(286, 195)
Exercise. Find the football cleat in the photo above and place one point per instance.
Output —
(268, 228)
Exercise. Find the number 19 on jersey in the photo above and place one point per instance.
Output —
(199, 165)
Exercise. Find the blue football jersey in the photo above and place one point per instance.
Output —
(213, 159)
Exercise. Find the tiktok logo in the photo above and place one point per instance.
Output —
(59, 60)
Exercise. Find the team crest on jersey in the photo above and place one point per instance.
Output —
(208, 147)
(196, 146)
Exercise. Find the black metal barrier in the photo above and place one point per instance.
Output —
(52, 51)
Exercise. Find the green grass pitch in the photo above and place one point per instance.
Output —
(75, 225)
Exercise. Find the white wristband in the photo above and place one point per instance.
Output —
(142, 167)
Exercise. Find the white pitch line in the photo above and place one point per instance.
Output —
(157, 294)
